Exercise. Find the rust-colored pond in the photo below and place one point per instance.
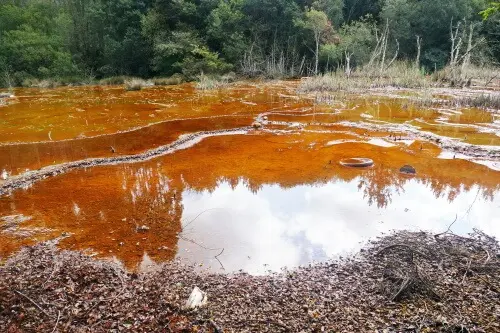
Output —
(180, 173)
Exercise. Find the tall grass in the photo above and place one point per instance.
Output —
(210, 82)
(278, 64)
(483, 101)
(168, 81)
(44, 84)
(135, 84)
(400, 74)
(114, 80)
(482, 76)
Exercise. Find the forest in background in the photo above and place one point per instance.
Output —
(77, 41)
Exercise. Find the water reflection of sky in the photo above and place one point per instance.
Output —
(278, 227)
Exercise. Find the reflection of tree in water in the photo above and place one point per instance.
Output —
(379, 183)
(152, 199)
(452, 191)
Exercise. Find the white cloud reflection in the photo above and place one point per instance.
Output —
(289, 227)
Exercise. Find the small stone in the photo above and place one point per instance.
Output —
(143, 228)
(257, 125)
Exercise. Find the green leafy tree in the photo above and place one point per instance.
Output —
(409, 18)
(332, 8)
(493, 8)
(356, 39)
(226, 30)
(317, 22)
(33, 41)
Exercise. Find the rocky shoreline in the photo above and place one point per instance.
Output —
(402, 282)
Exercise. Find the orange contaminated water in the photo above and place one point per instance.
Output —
(266, 198)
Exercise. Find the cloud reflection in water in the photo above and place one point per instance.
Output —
(278, 227)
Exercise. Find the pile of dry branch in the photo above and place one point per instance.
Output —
(404, 282)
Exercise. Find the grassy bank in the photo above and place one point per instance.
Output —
(412, 282)
(129, 81)
(401, 75)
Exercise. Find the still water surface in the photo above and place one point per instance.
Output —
(256, 200)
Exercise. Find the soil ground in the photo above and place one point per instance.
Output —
(402, 282)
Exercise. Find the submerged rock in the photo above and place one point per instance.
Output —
(408, 169)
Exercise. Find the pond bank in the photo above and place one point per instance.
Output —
(406, 281)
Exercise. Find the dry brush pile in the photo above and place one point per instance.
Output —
(403, 282)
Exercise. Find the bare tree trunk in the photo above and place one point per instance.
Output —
(317, 37)
(395, 55)
(376, 50)
(384, 46)
(466, 60)
(419, 48)
(348, 64)
(456, 44)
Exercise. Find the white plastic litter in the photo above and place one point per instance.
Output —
(197, 299)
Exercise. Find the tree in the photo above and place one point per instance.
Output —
(226, 30)
(408, 18)
(318, 23)
(332, 8)
(356, 39)
(33, 41)
(493, 8)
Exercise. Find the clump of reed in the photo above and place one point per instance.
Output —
(210, 82)
(483, 101)
(169, 81)
(136, 84)
(114, 80)
(400, 75)
(465, 76)
(44, 84)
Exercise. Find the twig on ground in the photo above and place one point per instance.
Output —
(217, 329)
(449, 227)
(467, 270)
(406, 283)
(401, 245)
(488, 257)
(33, 302)
(57, 321)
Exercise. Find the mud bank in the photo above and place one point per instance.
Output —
(445, 143)
(184, 141)
(411, 282)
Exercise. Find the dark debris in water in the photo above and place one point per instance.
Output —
(403, 282)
